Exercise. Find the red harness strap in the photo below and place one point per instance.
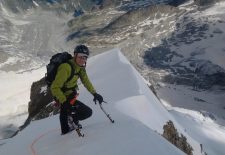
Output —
(73, 100)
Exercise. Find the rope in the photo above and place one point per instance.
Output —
(33, 152)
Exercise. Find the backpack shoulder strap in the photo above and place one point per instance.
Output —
(71, 76)
(72, 71)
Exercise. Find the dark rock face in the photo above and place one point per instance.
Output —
(41, 103)
(136, 4)
(40, 98)
(136, 16)
(180, 141)
(176, 2)
(206, 2)
(187, 67)
(189, 71)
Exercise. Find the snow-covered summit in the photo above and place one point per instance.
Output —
(136, 111)
(138, 114)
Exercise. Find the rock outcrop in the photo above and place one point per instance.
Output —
(41, 101)
(180, 141)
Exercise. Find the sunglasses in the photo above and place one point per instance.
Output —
(82, 57)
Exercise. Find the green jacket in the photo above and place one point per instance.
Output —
(63, 73)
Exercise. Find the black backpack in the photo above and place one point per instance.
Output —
(52, 67)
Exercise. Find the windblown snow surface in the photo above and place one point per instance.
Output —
(139, 118)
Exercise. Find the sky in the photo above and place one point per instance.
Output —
(139, 117)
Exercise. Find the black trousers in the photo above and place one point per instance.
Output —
(82, 112)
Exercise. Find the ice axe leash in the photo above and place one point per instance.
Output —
(109, 117)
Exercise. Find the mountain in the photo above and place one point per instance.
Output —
(166, 43)
(139, 119)
(126, 136)
(177, 46)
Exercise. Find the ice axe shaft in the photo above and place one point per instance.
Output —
(111, 120)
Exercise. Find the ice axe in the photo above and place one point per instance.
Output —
(109, 117)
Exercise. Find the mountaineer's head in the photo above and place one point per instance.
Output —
(81, 53)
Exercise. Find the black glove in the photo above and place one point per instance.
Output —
(98, 97)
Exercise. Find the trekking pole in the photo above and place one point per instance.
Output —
(112, 121)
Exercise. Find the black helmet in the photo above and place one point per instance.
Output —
(81, 49)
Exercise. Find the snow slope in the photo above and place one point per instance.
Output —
(14, 98)
(126, 136)
(138, 114)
